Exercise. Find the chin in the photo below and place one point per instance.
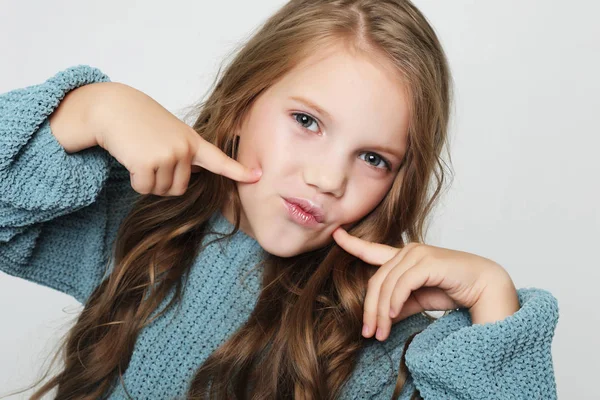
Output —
(279, 249)
(285, 247)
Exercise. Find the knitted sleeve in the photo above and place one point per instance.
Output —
(59, 211)
(453, 359)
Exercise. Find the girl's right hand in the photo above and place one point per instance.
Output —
(159, 150)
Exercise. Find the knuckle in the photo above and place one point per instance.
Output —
(139, 188)
(373, 282)
(428, 258)
(415, 248)
(191, 133)
(178, 191)
(161, 190)
(180, 187)
(168, 158)
(161, 158)
(181, 150)
(387, 285)
(412, 245)
(150, 165)
(144, 185)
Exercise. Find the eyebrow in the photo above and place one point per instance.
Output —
(320, 110)
(310, 104)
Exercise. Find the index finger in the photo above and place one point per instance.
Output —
(213, 159)
(369, 252)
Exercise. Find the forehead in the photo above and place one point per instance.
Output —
(363, 95)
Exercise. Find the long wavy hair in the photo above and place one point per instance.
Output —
(302, 340)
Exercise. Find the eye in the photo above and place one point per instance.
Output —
(374, 159)
(305, 120)
(377, 161)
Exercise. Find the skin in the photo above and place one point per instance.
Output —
(336, 161)
(422, 277)
(332, 160)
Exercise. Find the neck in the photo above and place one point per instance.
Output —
(227, 211)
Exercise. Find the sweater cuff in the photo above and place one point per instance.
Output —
(36, 173)
(510, 358)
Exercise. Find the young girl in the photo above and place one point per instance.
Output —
(308, 280)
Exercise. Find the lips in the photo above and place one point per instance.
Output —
(308, 207)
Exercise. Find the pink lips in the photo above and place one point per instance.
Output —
(310, 210)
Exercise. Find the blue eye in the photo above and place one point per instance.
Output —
(375, 159)
(305, 120)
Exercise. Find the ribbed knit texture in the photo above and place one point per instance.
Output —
(59, 215)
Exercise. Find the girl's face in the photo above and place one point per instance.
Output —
(332, 132)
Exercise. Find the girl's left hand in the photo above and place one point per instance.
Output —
(420, 277)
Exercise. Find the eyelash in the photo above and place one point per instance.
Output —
(388, 165)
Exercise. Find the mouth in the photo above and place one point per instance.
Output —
(304, 211)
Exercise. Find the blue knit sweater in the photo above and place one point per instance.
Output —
(59, 214)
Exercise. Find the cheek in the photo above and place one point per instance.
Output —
(362, 197)
(268, 143)
(250, 150)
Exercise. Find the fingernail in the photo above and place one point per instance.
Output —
(378, 334)
(256, 171)
(392, 313)
(365, 330)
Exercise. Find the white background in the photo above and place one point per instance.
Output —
(525, 139)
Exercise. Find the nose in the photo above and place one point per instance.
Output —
(327, 177)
